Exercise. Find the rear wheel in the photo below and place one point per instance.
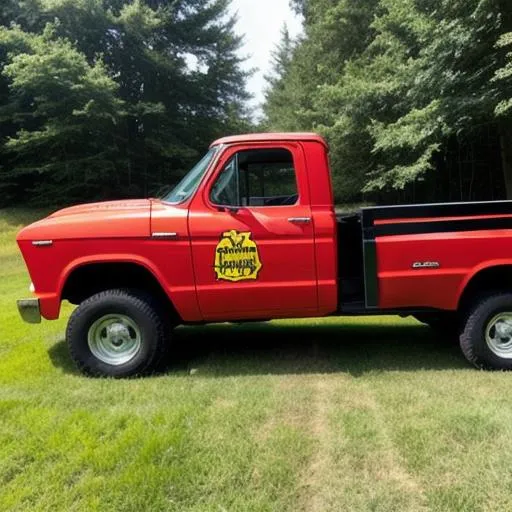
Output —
(486, 339)
(116, 333)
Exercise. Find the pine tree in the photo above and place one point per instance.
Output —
(175, 80)
(277, 93)
(395, 84)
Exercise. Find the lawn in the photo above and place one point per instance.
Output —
(311, 415)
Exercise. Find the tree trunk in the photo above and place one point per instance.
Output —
(506, 158)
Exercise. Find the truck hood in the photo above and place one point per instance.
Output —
(106, 207)
(110, 219)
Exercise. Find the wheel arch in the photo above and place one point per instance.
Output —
(492, 277)
(85, 277)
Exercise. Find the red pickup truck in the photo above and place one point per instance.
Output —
(251, 233)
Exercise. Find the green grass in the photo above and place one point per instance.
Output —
(310, 415)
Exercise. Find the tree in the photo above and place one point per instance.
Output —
(503, 109)
(447, 83)
(65, 111)
(396, 85)
(276, 94)
(175, 82)
(334, 33)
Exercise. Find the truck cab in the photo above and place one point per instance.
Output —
(251, 233)
(262, 229)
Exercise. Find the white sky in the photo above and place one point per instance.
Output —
(260, 22)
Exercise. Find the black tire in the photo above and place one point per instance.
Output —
(150, 333)
(473, 339)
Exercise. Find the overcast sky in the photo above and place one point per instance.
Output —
(260, 22)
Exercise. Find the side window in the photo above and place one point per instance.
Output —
(226, 190)
(257, 177)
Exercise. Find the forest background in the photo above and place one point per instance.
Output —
(104, 99)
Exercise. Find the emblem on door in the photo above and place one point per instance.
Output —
(237, 257)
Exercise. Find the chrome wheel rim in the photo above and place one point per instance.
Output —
(114, 339)
(498, 335)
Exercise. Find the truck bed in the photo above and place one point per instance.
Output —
(359, 234)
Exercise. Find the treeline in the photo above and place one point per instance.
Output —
(112, 98)
(414, 96)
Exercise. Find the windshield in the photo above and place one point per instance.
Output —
(188, 185)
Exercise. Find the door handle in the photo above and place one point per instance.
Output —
(164, 235)
(299, 220)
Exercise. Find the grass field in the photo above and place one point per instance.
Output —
(314, 415)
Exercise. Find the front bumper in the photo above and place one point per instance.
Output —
(29, 310)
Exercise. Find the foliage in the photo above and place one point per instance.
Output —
(504, 75)
(65, 110)
(105, 98)
(392, 83)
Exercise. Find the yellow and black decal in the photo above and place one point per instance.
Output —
(237, 257)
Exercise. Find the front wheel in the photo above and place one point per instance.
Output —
(486, 339)
(116, 333)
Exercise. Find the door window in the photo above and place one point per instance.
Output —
(257, 177)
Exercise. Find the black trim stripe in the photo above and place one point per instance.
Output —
(442, 226)
(435, 210)
(371, 284)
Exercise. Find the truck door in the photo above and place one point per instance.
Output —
(252, 236)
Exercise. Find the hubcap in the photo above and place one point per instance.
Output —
(498, 335)
(114, 339)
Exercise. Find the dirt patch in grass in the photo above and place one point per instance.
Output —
(321, 463)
